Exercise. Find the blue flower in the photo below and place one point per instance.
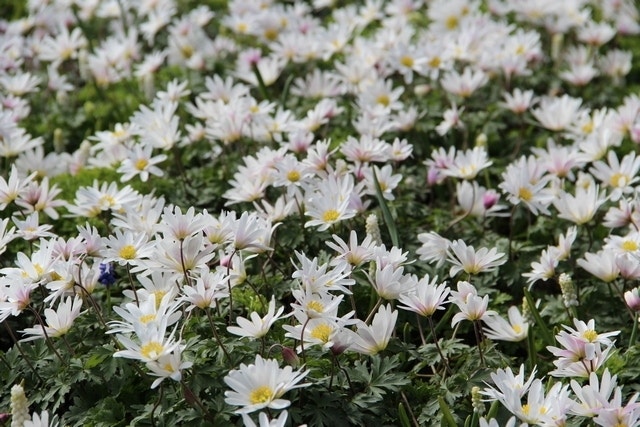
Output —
(107, 274)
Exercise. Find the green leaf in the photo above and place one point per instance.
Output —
(547, 336)
(446, 413)
(386, 213)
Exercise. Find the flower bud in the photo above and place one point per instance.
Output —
(290, 357)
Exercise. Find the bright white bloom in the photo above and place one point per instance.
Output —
(258, 326)
(375, 338)
(465, 258)
(426, 297)
(261, 385)
(514, 330)
(58, 322)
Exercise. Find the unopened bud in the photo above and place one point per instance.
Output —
(290, 357)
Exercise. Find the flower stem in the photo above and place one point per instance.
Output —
(217, 337)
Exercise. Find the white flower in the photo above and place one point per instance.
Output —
(258, 326)
(465, 258)
(261, 385)
(58, 321)
(375, 338)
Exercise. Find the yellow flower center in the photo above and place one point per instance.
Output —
(525, 409)
(159, 295)
(315, 306)
(270, 34)
(587, 127)
(407, 61)
(107, 200)
(187, 51)
(293, 176)
(321, 332)
(151, 350)
(383, 100)
(517, 329)
(629, 246)
(525, 194)
(260, 394)
(127, 252)
(590, 335)
(618, 180)
(451, 22)
(242, 27)
(330, 215)
(141, 164)
(147, 318)
(435, 62)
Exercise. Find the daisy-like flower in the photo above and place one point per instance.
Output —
(127, 247)
(58, 322)
(426, 297)
(328, 203)
(514, 330)
(434, 248)
(373, 339)
(518, 101)
(261, 385)
(464, 84)
(264, 421)
(556, 114)
(140, 162)
(353, 254)
(582, 350)
(580, 208)
(472, 306)
(617, 175)
(258, 326)
(601, 264)
(168, 366)
(389, 282)
(594, 396)
(465, 258)
(467, 164)
(450, 120)
(522, 183)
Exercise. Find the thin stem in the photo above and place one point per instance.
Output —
(435, 340)
(406, 402)
(24, 356)
(135, 292)
(373, 310)
(46, 335)
(424, 342)
(229, 286)
(155, 406)
(217, 337)
(187, 281)
(304, 327)
(476, 328)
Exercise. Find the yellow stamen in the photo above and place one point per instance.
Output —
(321, 332)
(260, 394)
(141, 164)
(590, 335)
(330, 215)
(525, 194)
(127, 252)
(407, 61)
(293, 176)
(315, 306)
(151, 350)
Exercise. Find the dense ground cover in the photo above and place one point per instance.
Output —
(327, 213)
